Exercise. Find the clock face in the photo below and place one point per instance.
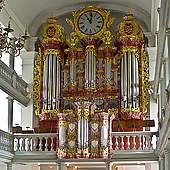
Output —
(90, 22)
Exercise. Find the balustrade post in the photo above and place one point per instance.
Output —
(46, 143)
(29, 144)
(150, 143)
(140, 143)
(23, 144)
(40, 144)
(122, 143)
(145, 143)
(128, 143)
(52, 143)
(35, 144)
(134, 142)
(117, 143)
(18, 144)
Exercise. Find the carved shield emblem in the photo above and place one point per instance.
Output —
(51, 32)
(128, 28)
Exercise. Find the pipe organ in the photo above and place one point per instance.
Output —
(83, 90)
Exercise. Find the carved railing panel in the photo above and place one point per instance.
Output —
(134, 140)
(11, 77)
(6, 141)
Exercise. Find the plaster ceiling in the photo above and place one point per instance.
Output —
(35, 12)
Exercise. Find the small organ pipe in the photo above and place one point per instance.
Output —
(52, 82)
(47, 79)
(55, 83)
(94, 69)
(90, 68)
(44, 83)
(92, 73)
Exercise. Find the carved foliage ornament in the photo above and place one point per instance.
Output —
(145, 79)
(37, 83)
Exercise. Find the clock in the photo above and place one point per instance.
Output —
(90, 22)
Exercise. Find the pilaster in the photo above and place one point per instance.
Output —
(27, 115)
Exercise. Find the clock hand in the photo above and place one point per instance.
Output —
(91, 17)
(87, 18)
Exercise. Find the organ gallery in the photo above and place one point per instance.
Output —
(89, 84)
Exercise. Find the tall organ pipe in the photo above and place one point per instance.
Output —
(55, 83)
(51, 82)
(90, 69)
(129, 81)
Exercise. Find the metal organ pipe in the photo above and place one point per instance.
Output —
(129, 81)
(51, 82)
(54, 82)
(90, 69)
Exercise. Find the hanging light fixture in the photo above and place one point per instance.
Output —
(1, 4)
(13, 46)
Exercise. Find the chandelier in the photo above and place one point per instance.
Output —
(13, 46)
(1, 4)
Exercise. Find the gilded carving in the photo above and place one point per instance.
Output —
(145, 79)
(135, 50)
(52, 31)
(37, 83)
(128, 28)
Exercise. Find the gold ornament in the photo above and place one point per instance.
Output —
(128, 28)
(103, 13)
(52, 31)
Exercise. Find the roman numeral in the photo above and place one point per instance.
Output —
(95, 15)
(98, 26)
(99, 21)
(86, 30)
(94, 30)
(81, 22)
(90, 31)
(98, 17)
(82, 18)
(82, 27)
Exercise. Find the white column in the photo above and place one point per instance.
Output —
(8, 166)
(28, 75)
(162, 162)
(108, 165)
(59, 166)
(167, 156)
(167, 160)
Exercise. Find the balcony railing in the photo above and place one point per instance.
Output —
(47, 141)
(11, 77)
(6, 141)
(134, 140)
